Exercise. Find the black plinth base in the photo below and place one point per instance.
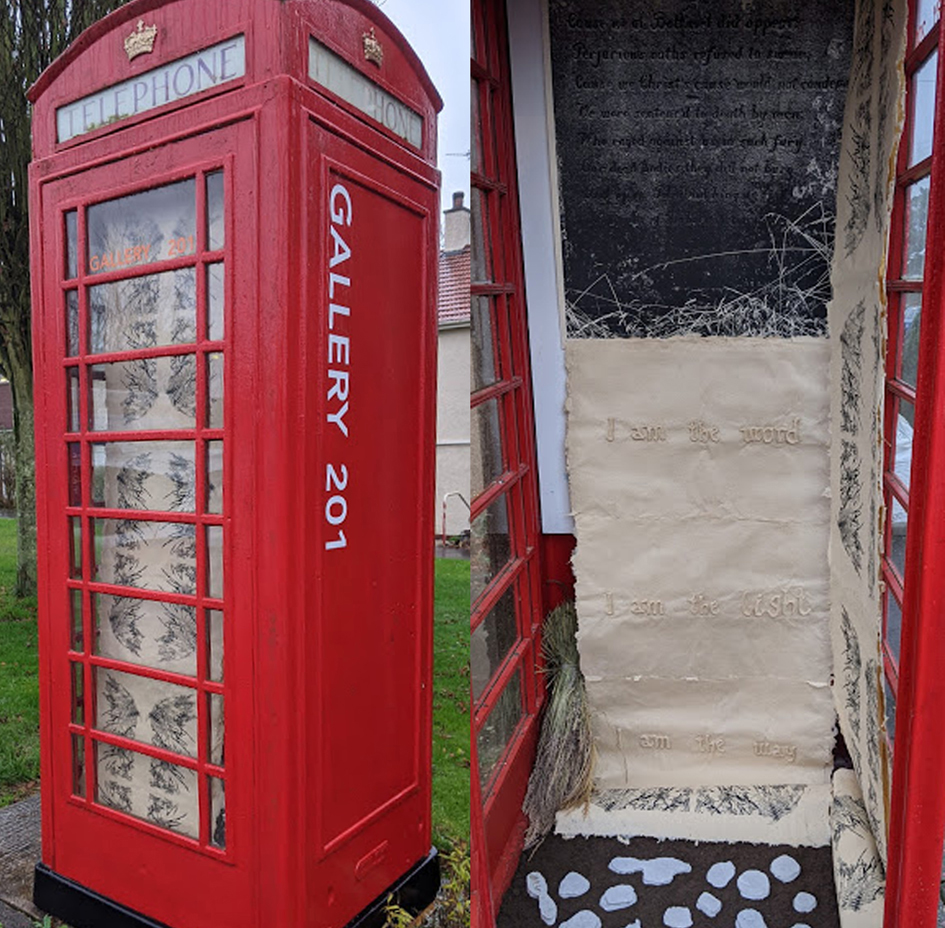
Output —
(80, 907)
(414, 891)
(83, 908)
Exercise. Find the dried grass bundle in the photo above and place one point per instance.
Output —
(562, 775)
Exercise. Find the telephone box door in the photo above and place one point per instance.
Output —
(147, 730)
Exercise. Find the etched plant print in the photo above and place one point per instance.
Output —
(887, 17)
(860, 881)
(850, 516)
(851, 370)
(118, 711)
(653, 799)
(772, 802)
(172, 721)
(115, 795)
(852, 668)
(182, 384)
(131, 482)
(180, 631)
(116, 762)
(125, 617)
(860, 194)
(139, 381)
(182, 475)
(169, 777)
(165, 812)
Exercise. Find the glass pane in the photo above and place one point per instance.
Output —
(492, 640)
(149, 393)
(144, 312)
(148, 555)
(904, 419)
(476, 162)
(78, 694)
(157, 475)
(923, 113)
(217, 813)
(142, 228)
(215, 391)
(72, 398)
(215, 748)
(917, 212)
(72, 323)
(911, 320)
(75, 539)
(75, 474)
(215, 225)
(215, 477)
(926, 13)
(150, 711)
(155, 791)
(893, 624)
(78, 635)
(215, 645)
(890, 701)
(215, 302)
(481, 252)
(72, 244)
(499, 727)
(897, 544)
(490, 545)
(215, 561)
(147, 633)
(486, 451)
(78, 766)
(484, 354)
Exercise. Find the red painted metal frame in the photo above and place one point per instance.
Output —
(301, 849)
(497, 821)
(917, 815)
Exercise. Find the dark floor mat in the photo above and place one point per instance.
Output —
(616, 884)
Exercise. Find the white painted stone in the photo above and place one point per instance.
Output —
(548, 909)
(708, 905)
(785, 868)
(583, 919)
(573, 885)
(805, 902)
(750, 918)
(720, 874)
(535, 884)
(753, 884)
(634, 924)
(677, 916)
(621, 896)
(660, 871)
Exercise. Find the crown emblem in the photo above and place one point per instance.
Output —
(141, 41)
(373, 50)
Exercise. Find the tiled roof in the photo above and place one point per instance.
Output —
(453, 303)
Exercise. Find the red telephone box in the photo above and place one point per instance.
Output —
(234, 237)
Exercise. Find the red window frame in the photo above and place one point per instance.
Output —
(497, 821)
(916, 681)
(83, 729)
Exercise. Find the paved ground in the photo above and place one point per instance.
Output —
(19, 852)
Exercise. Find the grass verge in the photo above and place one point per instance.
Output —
(19, 686)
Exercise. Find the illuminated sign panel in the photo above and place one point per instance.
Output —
(174, 81)
(335, 74)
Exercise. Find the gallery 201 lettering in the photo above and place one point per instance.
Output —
(339, 360)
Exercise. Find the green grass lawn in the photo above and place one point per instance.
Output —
(451, 704)
(19, 699)
(19, 689)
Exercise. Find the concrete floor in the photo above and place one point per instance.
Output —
(19, 853)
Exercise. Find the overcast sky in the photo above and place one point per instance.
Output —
(438, 30)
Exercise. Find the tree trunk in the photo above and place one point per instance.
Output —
(20, 372)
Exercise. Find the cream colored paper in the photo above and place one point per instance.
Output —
(779, 814)
(858, 871)
(699, 478)
(857, 320)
